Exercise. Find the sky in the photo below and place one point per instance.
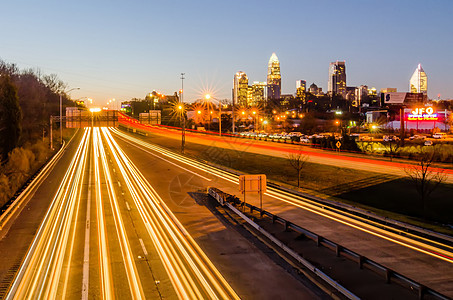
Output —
(126, 49)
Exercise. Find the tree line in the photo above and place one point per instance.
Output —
(27, 100)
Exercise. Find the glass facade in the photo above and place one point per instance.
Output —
(419, 81)
(337, 78)
(274, 78)
(240, 89)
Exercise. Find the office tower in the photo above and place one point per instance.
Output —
(274, 78)
(301, 87)
(240, 87)
(337, 78)
(419, 81)
(301, 84)
(258, 93)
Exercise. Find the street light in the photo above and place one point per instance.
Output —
(61, 113)
(208, 97)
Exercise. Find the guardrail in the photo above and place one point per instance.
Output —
(362, 261)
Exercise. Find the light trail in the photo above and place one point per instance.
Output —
(105, 272)
(38, 276)
(193, 275)
(306, 204)
(126, 252)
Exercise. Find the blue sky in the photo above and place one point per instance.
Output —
(125, 49)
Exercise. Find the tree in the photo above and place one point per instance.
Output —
(297, 161)
(425, 178)
(392, 147)
(10, 116)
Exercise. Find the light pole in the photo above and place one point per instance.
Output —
(220, 112)
(183, 131)
(61, 112)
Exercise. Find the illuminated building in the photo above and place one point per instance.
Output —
(301, 87)
(240, 88)
(360, 93)
(389, 90)
(301, 84)
(315, 90)
(274, 78)
(419, 81)
(337, 78)
(258, 93)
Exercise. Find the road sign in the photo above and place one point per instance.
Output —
(338, 144)
(255, 183)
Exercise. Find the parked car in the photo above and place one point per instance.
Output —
(390, 138)
(365, 138)
(304, 140)
(417, 137)
(428, 143)
(439, 135)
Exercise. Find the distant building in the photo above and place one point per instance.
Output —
(419, 81)
(240, 88)
(389, 90)
(337, 78)
(258, 93)
(274, 78)
(313, 89)
(301, 87)
(360, 93)
(350, 94)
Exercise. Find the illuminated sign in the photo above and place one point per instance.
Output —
(423, 114)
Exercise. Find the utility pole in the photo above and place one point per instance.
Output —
(183, 131)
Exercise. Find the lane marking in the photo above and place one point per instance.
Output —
(86, 250)
(166, 160)
(128, 207)
(143, 247)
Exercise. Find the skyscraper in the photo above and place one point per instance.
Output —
(301, 87)
(240, 87)
(274, 78)
(419, 81)
(258, 93)
(337, 78)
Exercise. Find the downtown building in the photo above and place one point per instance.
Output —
(274, 78)
(337, 79)
(419, 81)
(240, 89)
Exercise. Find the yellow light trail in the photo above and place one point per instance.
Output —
(193, 275)
(126, 252)
(306, 204)
(39, 275)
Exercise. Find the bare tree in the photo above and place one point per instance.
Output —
(297, 161)
(425, 177)
(392, 147)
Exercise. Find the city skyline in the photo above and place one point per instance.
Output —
(129, 50)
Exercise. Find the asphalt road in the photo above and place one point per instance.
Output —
(112, 221)
(423, 263)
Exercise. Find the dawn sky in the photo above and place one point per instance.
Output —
(126, 49)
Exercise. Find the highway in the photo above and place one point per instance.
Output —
(124, 219)
(403, 254)
(89, 245)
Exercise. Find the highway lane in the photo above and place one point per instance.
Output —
(401, 254)
(120, 247)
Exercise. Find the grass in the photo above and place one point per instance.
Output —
(390, 197)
